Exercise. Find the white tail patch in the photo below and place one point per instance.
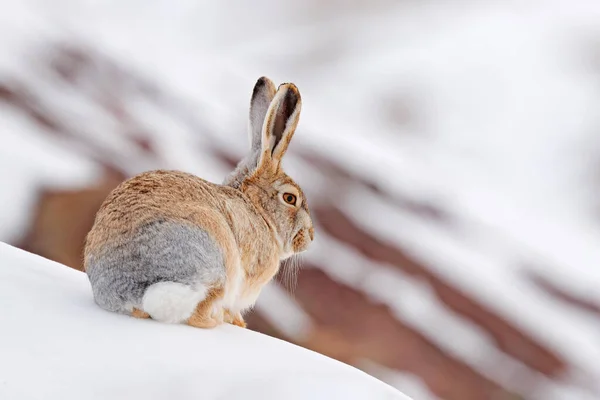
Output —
(172, 302)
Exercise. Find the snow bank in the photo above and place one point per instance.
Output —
(56, 343)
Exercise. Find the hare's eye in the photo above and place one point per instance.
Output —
(289, 198)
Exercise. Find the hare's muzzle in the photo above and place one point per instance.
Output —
(303, 239)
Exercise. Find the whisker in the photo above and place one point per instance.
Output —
(294, 273)
(285, 272)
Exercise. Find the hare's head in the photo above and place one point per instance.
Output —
(274, 116)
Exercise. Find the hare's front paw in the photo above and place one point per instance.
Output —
(234, 319)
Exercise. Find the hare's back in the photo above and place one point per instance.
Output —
(151, 195)
(160, 190)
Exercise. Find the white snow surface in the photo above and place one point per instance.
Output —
(56, 343)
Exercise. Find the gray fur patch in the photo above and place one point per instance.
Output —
(244, 169)
(160, 251)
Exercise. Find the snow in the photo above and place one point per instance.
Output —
(45, 164)
(490, 278)
(412, 385)
(57, 344)
(288, 317)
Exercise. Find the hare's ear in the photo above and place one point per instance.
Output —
(262, 95)
(280, 124)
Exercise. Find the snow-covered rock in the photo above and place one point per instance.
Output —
(57, 344)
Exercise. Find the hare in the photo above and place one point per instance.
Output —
(173, 247)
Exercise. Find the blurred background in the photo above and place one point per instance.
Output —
(450, 151)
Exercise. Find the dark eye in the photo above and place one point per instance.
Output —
(289, 198)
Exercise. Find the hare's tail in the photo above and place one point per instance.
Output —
(172, 302)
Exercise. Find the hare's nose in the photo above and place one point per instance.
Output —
(311, 233)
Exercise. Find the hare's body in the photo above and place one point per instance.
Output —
(172, 246)
(202, 236)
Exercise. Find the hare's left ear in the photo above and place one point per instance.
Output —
(262, 95)
(279, 125)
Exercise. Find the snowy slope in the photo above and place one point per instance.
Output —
(57, 344)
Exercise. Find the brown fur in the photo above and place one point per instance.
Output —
(137, 313)
(179, 196)
(247, 221)
(203, 315)
(235, 319)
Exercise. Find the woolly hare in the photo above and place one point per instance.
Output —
(171, 246)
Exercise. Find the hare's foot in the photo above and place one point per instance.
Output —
(234, 319)
(137, 313)
(205, 315)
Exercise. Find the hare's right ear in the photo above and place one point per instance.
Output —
(279, 126)
(262, 95)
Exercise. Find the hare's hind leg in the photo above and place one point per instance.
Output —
(208, 314)
(137, 313)
(184, 262)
